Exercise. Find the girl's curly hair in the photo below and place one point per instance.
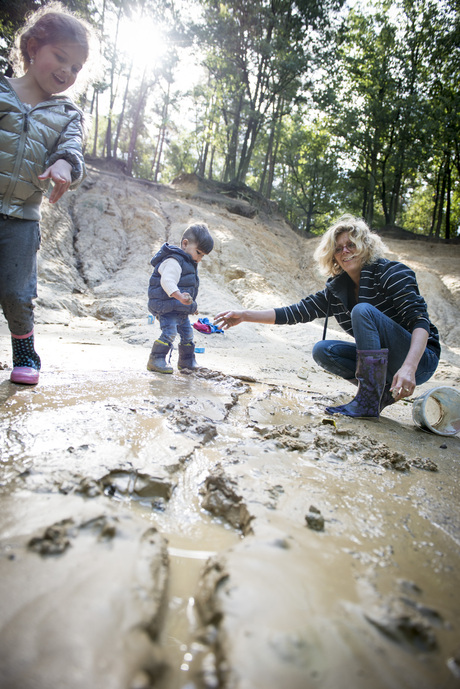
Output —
(52, 23)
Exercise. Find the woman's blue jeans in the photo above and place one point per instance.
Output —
(372, 330)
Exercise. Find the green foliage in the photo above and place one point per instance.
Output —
(417, 216)
(310, 171)
(322, 109)
(258, 53)
(181, 157)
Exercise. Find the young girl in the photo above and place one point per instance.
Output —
(40, 141)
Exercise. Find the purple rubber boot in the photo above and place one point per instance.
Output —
(371, 370)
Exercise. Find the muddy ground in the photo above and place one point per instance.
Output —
(215, 530)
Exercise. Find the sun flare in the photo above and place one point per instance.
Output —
(141, 40)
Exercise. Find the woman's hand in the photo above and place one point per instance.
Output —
(403, 384)
(61, 174)
(228, 319)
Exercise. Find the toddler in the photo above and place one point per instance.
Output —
(173, 289)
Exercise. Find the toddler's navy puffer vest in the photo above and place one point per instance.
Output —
(159, 302)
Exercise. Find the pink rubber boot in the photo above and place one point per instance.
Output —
(26, 375)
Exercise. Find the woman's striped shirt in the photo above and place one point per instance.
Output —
(390, 286)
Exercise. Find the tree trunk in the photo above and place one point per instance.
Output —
(365, 191)
(108, 139)
(436, 202)
(96, 121)
(250, 138)
(394, 198)
(162, 132)
(449, 190)
(211, 163)
(441, 204)
(108, 134)
(203, 160)
(122, 114)
(266, 180)
(136, 123)
(230, 159)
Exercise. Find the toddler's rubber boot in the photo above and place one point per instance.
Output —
(187, 357)
(157, 358)
(26, 362)
(371, 370)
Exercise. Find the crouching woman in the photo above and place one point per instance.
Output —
(377, 302)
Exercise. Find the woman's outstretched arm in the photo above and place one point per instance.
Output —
(228, 319)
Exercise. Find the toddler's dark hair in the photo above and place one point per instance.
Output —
(199, 233)
(51, 24)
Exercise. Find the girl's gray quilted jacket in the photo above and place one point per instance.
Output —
(32, 139)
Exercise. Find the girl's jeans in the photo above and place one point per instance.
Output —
(173, 323)
(372, 330)
(19, 243)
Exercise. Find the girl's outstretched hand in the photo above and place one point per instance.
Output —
(61, 174)
(227, 319)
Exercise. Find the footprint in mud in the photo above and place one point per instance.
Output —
(187, 415)
(408, 629)
(138, 486)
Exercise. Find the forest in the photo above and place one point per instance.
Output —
(322, 106)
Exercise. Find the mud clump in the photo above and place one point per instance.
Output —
(397, 461)
(391, 460)
(221, 499)
(55, 540)
(57, 537)
(424, 463)
(286, 437)
(132, 485)
(315, 519)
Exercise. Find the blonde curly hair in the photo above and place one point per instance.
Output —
(369, 245)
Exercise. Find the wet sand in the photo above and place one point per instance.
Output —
(218, 530)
